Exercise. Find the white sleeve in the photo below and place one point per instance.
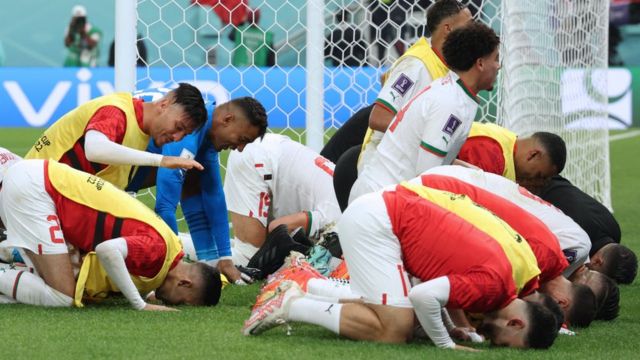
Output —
(112, 254)
(428, 300)
(405, 80)
(98, 148)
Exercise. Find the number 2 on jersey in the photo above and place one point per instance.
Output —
(55, 228)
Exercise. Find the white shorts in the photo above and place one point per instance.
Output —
(373, 253)
(28, 211)
(242, 252)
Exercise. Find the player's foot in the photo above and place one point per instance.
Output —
(275, 311)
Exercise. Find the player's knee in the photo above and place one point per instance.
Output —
(57, 299)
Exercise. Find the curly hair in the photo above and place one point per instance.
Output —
(254, 111)
(467, 44)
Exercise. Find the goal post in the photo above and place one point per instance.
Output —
(553, 76)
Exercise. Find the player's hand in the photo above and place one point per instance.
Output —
(466, 334)
(229, 270)
(174, 162)
(465, 348)
(153, 307)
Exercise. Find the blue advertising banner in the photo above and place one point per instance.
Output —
(36, 97)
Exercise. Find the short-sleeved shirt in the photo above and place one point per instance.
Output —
(573, 241)
(427, 132)
(543, 242)
(277, 176)
(591, 215)
(406, 79)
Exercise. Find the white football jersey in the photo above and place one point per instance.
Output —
(574, 241)
(429, 131)
(278, 176)
(7, 159)
(405, 80)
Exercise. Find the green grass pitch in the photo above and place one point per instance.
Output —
(114, 330)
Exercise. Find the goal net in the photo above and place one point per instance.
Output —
(553, 77)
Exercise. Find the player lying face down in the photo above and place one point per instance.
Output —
(47, 207)
(387, 236)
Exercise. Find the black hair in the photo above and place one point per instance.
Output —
(543, 326)
(190, 98)
(620, 264)
(555, 147)
(254, 111)
(583, 307)
(549, 303)
(212, 284)
(440, 10)
(607, 298)
(465, 45)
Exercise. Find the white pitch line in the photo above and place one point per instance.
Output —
(630, 134)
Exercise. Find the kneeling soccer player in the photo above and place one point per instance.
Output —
(466, 257)
(273, 182)
(47, 206)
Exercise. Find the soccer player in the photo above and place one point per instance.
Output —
(465, 256)
(273, 182)
(48, 207)
(573, 241)
(418, 67)
(607, 254)
(577, 301)
(529, 161)
(434, 124)
(231, 125)
(107, 136)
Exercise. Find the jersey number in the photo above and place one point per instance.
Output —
(321, 162)
(53, 228)
(263, 208)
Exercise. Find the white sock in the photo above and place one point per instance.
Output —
(30, 289)
(330, 289)
(316, 312)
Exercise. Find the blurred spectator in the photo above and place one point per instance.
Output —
(614, 40)
(388, 18)
(253, 46)
(345, 45)
(82, 40)
(141, 58)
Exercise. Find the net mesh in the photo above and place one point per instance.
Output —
(553, 63)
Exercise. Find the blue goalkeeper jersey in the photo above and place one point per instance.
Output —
(210, 226)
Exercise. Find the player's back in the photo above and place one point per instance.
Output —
(299, 178)
(573, 240)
